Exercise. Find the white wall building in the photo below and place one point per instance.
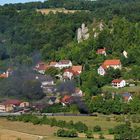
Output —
(115, 63)
(117, 83)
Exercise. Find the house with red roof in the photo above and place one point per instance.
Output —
(41, 67)
(3, 75)
(114, 63)
(64, 64)
(73, 71)
(77, 69)
(101, 51)
(68, 74)
(11, 104)
(6, 74)
(66, 100)
(61, 64)
(118, 83)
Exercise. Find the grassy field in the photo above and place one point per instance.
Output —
(135, 89)
(90, 121)
(47, 11)
(6, 134)
(26, 131)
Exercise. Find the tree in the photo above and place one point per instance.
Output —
(135, 106)
(97, 128)
(89, 134)
(52, 71)
(135, 72)
(66, 133)
(112, 74)
(80, 127)
(124, 132)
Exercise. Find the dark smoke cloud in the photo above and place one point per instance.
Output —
(67, 87)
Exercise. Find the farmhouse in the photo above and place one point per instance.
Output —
(73, 71)
(115, 63)
(127, 97)
(101, 51)
(61, 64)
(66, 100)
(117, 83)
(3, 75)
(77, 69)
(68, 73)
(64, 64)
(41, 67)
(11, 105)
(6, 74)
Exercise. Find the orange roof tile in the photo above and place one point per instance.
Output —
(116, 81)
(12, 101)
(111, 63)
(4, 75)
(100, 51)
(53, 63)
(42, 66)
(77, 68)
(66, 98)
(69, 70)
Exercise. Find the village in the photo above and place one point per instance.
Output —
(67, 72)
(70, 70)
(49, 74)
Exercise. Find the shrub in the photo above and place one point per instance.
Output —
(89, 134)
(123, 132)
(101, 136)
(97, 128)
(119, 119)
(80, 127)
(111, 131)
(135, 119)
(66, 133)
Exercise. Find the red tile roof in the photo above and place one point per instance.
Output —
(72, 71)
(100, 51)
(77, 69)
(66, 99)
(42, 66)
(69, 70)
(4, 75)
(13, 102)
(53, 63)
(111, 63)
(116, 81)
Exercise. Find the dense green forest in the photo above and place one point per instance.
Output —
(100, 8)
(25, 32)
